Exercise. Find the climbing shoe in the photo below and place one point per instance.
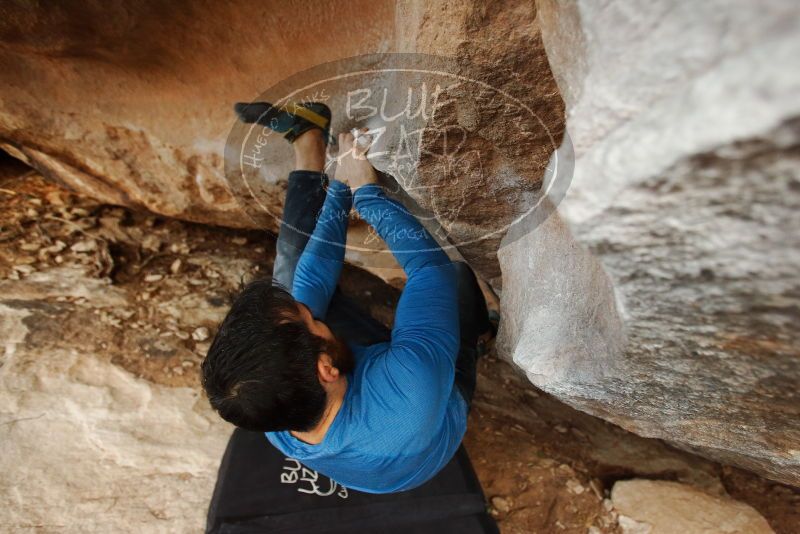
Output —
(291, 119)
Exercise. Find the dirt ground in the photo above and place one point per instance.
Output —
(544, 467)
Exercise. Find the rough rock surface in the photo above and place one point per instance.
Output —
(133, 104)
(135, 454)
(105, 316)
(163, 80)
(663, 296)
(661, 507)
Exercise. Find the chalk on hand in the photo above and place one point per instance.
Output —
(362, 140)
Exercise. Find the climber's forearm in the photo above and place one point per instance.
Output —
(426, 320)
(320, 264)
(409, 241)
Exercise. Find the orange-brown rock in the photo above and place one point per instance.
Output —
(133, 104)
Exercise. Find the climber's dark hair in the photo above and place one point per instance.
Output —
(261, 370)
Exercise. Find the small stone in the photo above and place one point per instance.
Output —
(30, 247)
(79, 212)
(596, 488)
(187, 363)
(561, 429)
(24, 269)
(175, 267)
(54, 198)
(501, 504)
(151, 242)
(56, 247)
(126, 313)
(87, 245)
(239, 240)
(153, 277)
(574, 486)
(59, 259)
(180, 334)
(631, 526)
(202, 348)
(200, 333)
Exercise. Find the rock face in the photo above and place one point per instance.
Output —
(660, 507)
(661, 294)
(134, 105)
(154, 449)
(104, 317)
(664, 294)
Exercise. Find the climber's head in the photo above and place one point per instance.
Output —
(271, 364)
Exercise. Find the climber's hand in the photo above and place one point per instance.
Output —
(353, 167)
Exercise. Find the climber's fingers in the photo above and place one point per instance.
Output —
(363, 142)
(356, 142)
(345, 145)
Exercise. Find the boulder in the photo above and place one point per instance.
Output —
(134, 105)
(88, 446)
(663, 294)
(661, 507)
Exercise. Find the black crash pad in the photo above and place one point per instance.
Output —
(260, 490)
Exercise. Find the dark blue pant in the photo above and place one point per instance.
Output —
(304, 198)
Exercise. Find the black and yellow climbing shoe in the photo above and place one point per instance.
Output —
(290, 119)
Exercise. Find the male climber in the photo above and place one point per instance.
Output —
(374, 410)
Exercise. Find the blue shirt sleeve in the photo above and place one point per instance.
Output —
(420, 362)
(320, 264)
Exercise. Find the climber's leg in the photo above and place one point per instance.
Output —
(473, 318)
(305, 195)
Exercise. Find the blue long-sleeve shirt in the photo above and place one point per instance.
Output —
(402, 419)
